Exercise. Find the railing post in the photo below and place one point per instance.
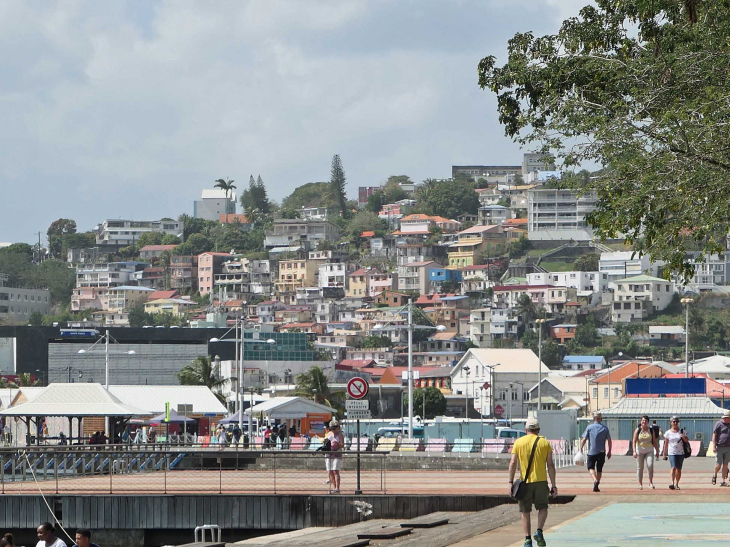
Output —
(55, 459)
(165, 468)
(220, 475)
(2, 472)
(111, 472)
(273, 455)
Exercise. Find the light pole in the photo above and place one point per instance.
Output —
(686, 301)
(481, 412)
(493, 388)
(410, 327)
(539, 364)
(510, 404)
(241, 387)
(106, 339)
(466, 392)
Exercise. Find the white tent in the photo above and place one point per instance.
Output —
(286, 408)
(77, 400)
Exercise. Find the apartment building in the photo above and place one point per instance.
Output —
(148, 252)
(94, 280)
(17, 304)
(184, 273)
(553, 210)
(213, 203)
(475, 245)
(369, 282)
(294, 274)
(334, 274)
(300, 233)
(122, 233)
(491, 173)
(581, 281)
(209, 265)
(490, 215)
(623, 264)
(266, 311)
(533, 162)
(635, 298)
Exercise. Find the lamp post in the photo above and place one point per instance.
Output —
(686, 301)
(410, 327)
(539, 364)
(481, 412)
(241, 385)
(106, 339)
(466, 392)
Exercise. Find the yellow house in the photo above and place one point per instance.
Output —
(176, 306)
(476, 243)
(296, 273)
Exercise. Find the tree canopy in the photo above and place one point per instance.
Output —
(256, 197)
(447, 198)
(640, 88)
(312, 194)
(337, 185)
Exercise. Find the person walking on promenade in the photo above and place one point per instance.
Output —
(721, 442)
(536, 486)
(326, 433)
(597, 435)
(334, 456)
(646, 445)
(674, 440)
(47, 536)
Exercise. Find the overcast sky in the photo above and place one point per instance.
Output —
(129, 109)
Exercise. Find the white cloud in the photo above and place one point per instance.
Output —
(131, 108)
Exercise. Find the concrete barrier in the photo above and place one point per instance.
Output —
(387, 445)
(364, 444)
(463, 445)
(495, 446)
(437, 446)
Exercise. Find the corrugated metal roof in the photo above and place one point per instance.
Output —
(75, 400)
(289, 407)
(153, 398)
(684, 407)
(504, 360)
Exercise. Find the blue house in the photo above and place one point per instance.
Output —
(583, 362)
(438, 276)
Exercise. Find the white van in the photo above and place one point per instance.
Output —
(509, 433)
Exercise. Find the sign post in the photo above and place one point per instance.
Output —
(357, 390)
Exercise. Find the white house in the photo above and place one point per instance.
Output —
(623, 264)
(505, 374)
(581, 281)
(636, 298)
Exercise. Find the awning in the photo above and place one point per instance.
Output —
(175, 418)
(76, 400)
(285, 408)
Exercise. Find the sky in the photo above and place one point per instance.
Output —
(129, 109)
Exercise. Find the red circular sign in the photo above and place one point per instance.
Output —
(498, 410)
(357, 388)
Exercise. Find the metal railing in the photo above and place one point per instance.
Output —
(164, 469)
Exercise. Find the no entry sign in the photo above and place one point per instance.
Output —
(357, 388)
(498, 410)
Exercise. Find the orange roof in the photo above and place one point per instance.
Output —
(368, 233)
(442, 219)
(416, 216)
(627, 371)
(515, 222)
(230, 218)
(163, 294)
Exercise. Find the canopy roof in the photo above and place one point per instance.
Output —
(75, 400)
(175, 418)
(289, 408)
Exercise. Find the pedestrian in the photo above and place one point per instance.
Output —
(47, 536)
(292, 431)
(657, 430)
(267, 436)
(83, 538)
(721, 442)
(282, 435)
(598, 435)
(646, 445)
(333, 459)
(674, 440)
(326, 432)
(236, 433)
(221, 435)
(536, 485)
(9, 539)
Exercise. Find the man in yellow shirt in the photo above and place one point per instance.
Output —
(536, 486)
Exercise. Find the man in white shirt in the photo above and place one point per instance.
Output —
(47, 536)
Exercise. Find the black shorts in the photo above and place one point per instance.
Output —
(596, 462)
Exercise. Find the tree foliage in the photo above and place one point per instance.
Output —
(447, 198)
(194, 245)
(587, 262)
(389, 193)
(337, 185)
(311, 194)
(435, 402)
(374, 341)
(256, 197)
(639, 87)
(314, 384)
(366, 221)
(201, 372)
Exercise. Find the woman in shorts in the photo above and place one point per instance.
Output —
(674, 441)
(334, 456)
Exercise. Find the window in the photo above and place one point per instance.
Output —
(616, 392)
(605, 392)
(525, 395)
(514, 395)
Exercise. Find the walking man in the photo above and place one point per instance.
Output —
(536, 486)
(721, 441)
(597, 435)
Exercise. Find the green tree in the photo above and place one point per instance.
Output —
(526, 308)
(716, 334)
(255, 196)
(366, 221)
(337, 185)
(57, 277)
(314, 384)
(587, 262)
(202, 372)
(18, 248)
(149, 238)
(374, 341)
(519, 247)
(55, 233)
(25, 379)
(586, 335)
(311, 194)
(390, 193)
(169, 239)
(435, 402)
(138, 317)
(638, 87)
(194, 245)
(447, 198)
(35, 319)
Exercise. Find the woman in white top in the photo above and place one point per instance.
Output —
(674, 441)
(645, 446)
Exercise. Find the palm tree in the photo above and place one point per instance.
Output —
(526, 308)
(26, 380)
(314, 385)
(202, 372)
(225, 185)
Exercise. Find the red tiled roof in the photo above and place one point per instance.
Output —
(514, 222)
(268, 302)
(163, 294)
(358, 363)
(368, 233)
(627, 371)
(230, 218)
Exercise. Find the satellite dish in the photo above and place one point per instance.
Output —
(233, 251)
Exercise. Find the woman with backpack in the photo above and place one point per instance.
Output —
(646, 445)
(674, 440)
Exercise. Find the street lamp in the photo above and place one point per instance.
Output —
(241, 386)
(686, 301)
(466, 392)
(106, 337)
(410, 327)
(539, 364)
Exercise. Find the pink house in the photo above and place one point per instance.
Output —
(209, 264)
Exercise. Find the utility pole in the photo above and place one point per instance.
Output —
(410, 368)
